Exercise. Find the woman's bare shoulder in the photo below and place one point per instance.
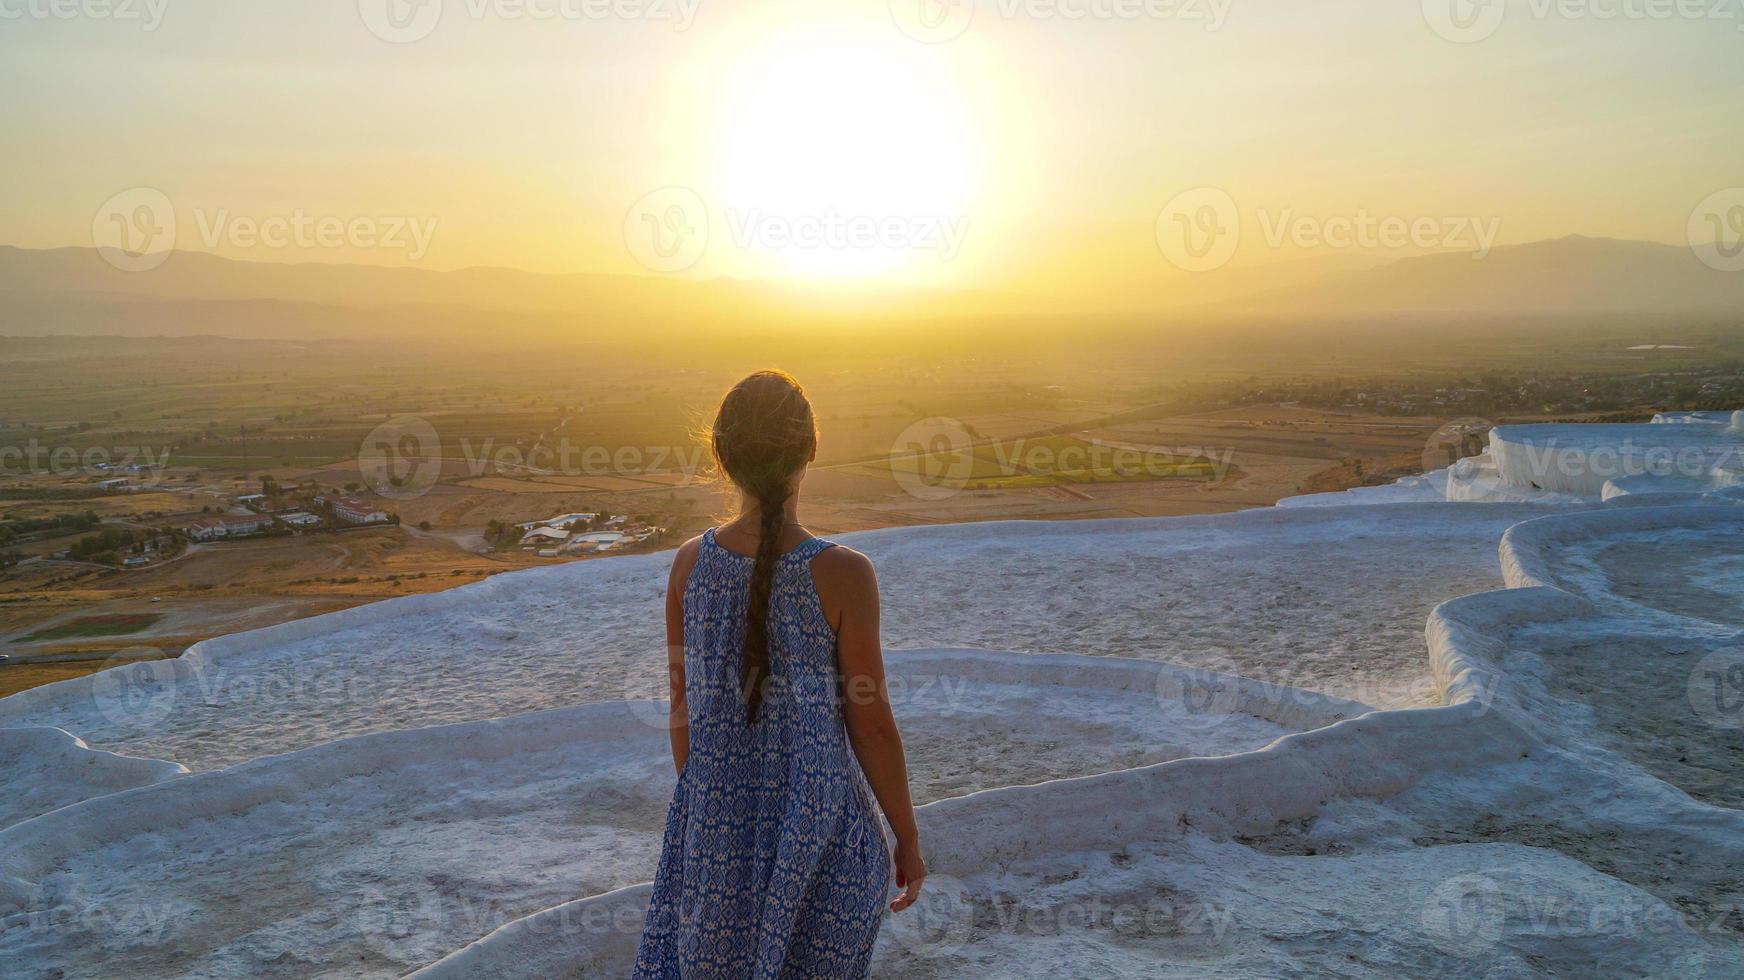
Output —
(685, 558)
(843, 571)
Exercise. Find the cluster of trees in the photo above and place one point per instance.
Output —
(503, 535)
(105, 544)
(14, 528)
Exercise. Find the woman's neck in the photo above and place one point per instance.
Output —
(751, 515)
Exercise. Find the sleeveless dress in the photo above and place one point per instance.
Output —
(774, 863)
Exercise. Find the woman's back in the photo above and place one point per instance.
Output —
(800, 707)
(774, 862)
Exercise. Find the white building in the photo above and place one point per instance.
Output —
(544, 535)
(225, 526)
(354, 511)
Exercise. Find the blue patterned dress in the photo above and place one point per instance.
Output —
(774, 863)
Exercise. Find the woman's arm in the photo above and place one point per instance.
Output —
(678, 711)
(848, 587)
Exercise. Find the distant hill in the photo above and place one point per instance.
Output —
(75, 291)
(1560, 277)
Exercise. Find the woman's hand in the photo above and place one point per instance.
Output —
(911, 870)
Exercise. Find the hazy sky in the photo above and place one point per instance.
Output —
(1031, 150)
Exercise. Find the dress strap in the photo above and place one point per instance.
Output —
(810, 548)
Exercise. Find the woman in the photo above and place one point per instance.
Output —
(774, 863)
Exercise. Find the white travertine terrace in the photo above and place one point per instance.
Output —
(1225, 733)
(1676, 453)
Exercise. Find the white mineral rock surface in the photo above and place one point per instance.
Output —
(1174, 747)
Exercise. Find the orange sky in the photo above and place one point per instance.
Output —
(1023, 149)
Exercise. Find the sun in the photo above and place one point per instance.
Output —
(843, 155)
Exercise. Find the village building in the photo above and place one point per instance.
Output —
(225, 526)
(352, 510)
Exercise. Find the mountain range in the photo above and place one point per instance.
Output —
(74, 291)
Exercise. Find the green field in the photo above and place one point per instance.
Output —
(118, 624)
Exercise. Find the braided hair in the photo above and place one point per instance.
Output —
(763, 435)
